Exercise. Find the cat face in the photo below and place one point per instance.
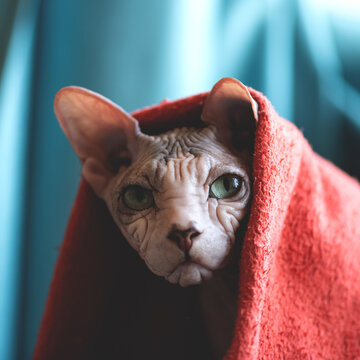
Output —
(180, 201)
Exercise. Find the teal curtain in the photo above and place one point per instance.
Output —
(302, 54)
(18, 33)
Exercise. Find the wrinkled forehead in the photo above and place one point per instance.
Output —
(180, 143)
(184, 155)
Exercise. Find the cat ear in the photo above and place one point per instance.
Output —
(102, 134)
(231, 109)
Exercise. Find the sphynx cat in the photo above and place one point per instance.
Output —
(179, 197)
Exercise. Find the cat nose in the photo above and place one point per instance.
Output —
(184, 238)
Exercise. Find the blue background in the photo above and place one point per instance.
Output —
(304, 55)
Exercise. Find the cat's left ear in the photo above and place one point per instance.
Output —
(231, 109)
(102, 134)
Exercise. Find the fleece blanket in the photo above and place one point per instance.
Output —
(299, 267)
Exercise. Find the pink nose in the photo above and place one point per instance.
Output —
(184, 238)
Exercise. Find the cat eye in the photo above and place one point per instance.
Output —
(138, 198)
(226, 186)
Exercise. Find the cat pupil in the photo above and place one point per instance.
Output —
(226, 184)
(230, 183)
(139, 195)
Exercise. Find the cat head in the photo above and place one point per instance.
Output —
(179, 197)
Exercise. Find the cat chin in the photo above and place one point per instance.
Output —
(189, 273)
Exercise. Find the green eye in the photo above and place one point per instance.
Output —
(225, 186)
(137, 198)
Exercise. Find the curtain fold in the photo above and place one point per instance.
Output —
(15, 119)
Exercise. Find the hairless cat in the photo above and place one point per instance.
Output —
(178, 197)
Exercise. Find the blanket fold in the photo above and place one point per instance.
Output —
(299, 268)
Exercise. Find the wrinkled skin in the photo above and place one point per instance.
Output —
(179, 168)
(185, 234)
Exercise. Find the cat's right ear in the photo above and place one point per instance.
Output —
(232, 110)
(102, 134)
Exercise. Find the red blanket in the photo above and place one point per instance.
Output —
(299, 269)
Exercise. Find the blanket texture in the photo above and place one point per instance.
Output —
(299, 268)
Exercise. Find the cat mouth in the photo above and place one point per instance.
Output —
(189, 273)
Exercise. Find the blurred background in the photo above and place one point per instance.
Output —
(303, 55)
